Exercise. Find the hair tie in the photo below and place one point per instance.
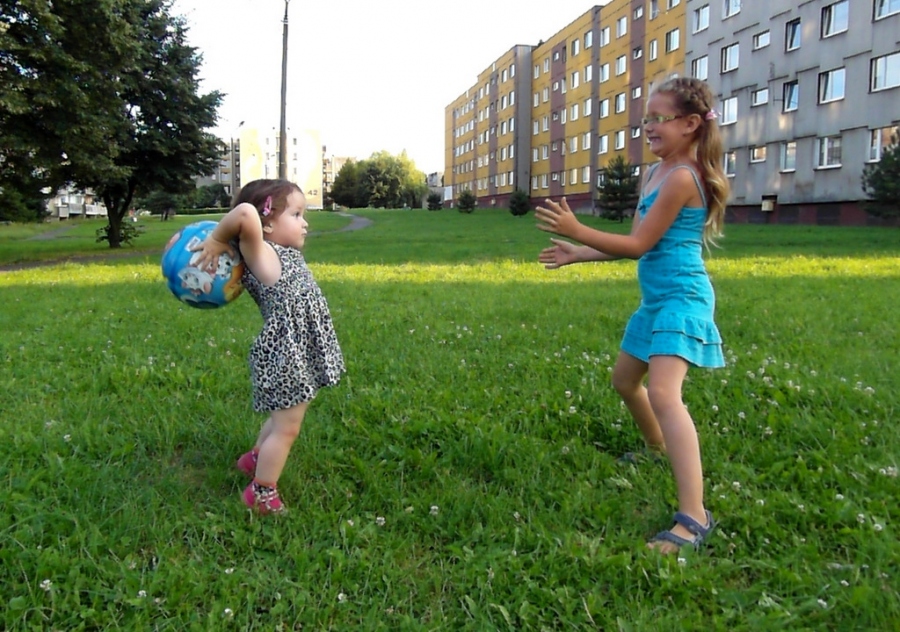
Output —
(267, 207)
(711, 115)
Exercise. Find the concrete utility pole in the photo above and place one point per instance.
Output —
(282, 141)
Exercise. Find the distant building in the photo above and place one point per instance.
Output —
(257, 157)
(331, 167)
(71, 203)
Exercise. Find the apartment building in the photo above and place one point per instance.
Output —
(258, 152)
(808, 95)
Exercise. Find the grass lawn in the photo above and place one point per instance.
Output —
(464, 474)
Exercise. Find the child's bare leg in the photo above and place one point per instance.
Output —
(264, 432)
(628, 380)
(276, 445)
(666, 375)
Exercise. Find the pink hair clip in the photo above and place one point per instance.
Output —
(711, 115)
(267, 207)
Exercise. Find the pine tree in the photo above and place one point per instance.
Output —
(881, 182)
(618, 189)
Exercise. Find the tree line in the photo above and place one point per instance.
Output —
(381, 181)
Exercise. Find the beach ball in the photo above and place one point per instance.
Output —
(212, 286)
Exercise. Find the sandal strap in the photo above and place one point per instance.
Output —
(695, 527)
(677, 540)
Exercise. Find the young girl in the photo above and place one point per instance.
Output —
(297, 351)
(682, 205)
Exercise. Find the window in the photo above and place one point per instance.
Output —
(828, 152)
(576, 76)
(536, 128)
(758, 154)
(729, 111)
(879, 140)
(759, 97)
(573, 176)
(730, 163)
(792, 35)
(835, 18)
(700, 68)
(588, 39)
(604, 72)
(831, 85)
(638, 13)
(576, 47)
(760, 40)
(636, 92)
(620, 65)
(620, 102)
(885, 72)
(562, 85)
(730, 57)
(534, 155)
(604, 108)
(573, 144)
(672, 40)
(637, 53)
(621, 26)
(603, 144)
(544, 183)
(586, 140)
(574, 116)
(730, 7)
(654, 9)
(884, 8)
(563, 114)
(545, 123)
(653, 49)
(537, 99)
(587, 106)
(588, 73)
(701, 18)
(604, 36)
(788, 156)
(585, 174)
(545, 95)
(620, 139)
(791, 96)
(545, 151)
(671, 4)
(636, 131)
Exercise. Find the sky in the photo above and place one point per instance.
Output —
(370, 75)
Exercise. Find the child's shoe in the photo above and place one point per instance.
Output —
(247, 463)
(263, 499)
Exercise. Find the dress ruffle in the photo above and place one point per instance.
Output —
(671, 333)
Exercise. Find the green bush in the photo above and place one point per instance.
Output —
(466, 202)
(128, 232)
(519, 203)
(435, 201)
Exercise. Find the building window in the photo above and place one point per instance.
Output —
(536, 128)
(730, 57)
(588, 73)
(636, 131)
(603, 144)
(585, 174)
(760, 40)
(638, 13)
(621, 26)
(586, 140)
(576, 76)
(636, 92)
(573, 144)
(885, 72)
(545, 152)
(545, 95)
(534, 155)
(620, 65)
(604, 36)
(587, 106)
(637, 53)
(701, 18)
(829, 152)
(759, 97)
(574, 116)
(537, 99)
(884, 8)
(835, 18)
(729, 163)
(545, 124)
(588, 39)
(729, 111)
(563, 114)
(791, 96)
(730, 7)
(831, 85)
(604, 108)
(573, 176)
(758, 154)
(604, 72)
(671, 4)
(544, 183)
(789, 156)
(700, 68)
(546, 64)
(879, 140)
(792, 35)
(654, 9)
(672, 40)
(620, 139)
(620, 103)
(576, 47)
(653, 49)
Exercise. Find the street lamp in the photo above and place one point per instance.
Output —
(282, 143)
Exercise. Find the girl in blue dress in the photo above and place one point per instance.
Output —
(682, 206)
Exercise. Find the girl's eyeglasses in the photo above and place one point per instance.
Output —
(659, 119)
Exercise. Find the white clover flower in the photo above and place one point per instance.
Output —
(760, 502)
(839, 497)
(229, 613)
(572, 410)
(342, 597)
(67, 438)
(434, 510)
(568, 394)
(350, 523)
(877, 527)
(682, 561)
(516, 516)
(142, 594)
(736, 485)
(741, 415)
(844, 583)
(565, 449)
(229, 571)
(715, 408)
(822, 603)
(379, 521)
(860, 518)
(801, 507)
(46, 585)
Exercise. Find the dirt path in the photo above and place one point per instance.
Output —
(356, 223)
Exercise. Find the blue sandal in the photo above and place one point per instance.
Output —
(700, 532)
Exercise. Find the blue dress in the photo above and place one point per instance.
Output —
(675, 317)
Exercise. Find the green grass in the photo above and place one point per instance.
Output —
(476, 419)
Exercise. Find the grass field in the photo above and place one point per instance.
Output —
(464, 474)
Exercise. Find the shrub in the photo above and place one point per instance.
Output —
(519, 203)
(618, 189)
(466, 202)
(881, 182)
(435, 201)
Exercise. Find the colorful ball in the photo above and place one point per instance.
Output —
(205, 288)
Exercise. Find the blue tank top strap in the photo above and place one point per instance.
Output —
(696, 181)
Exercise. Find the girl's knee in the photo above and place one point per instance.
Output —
(664, 398)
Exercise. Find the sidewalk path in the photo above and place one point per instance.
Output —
(356, 223)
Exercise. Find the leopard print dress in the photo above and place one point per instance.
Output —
(297, 351)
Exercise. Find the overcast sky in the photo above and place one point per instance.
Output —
(370, 75)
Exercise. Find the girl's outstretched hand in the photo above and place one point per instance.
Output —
(557, 218)
(561, 253)
(208, 252)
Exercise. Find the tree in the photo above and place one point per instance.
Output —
(467, 201)
(519, 203)
(618, 189)
(381, 181)
(117, 111)
(881, 182)
(435, 201)
(345, 190)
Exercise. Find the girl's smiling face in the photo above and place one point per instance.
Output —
(665, 128)
(289, 226)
